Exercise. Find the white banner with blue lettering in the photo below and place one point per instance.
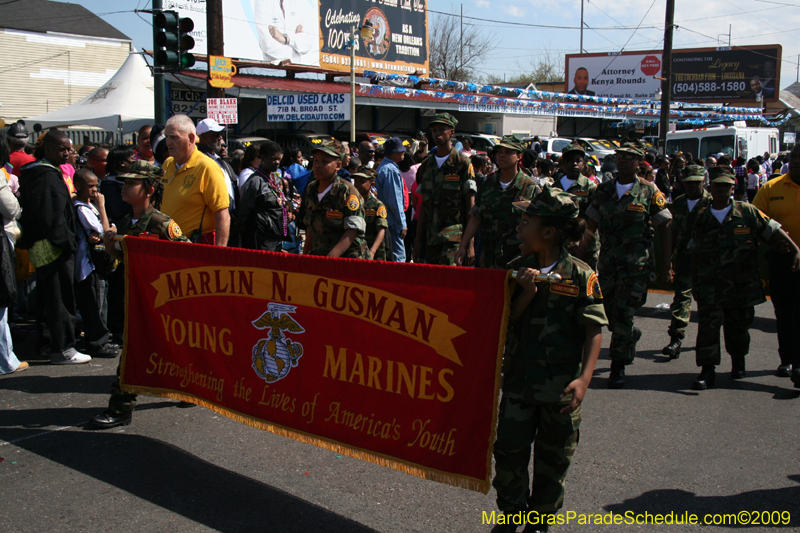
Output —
(309, 107)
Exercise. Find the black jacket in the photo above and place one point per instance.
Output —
(47, 210)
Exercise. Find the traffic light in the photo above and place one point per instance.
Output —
(172, 40)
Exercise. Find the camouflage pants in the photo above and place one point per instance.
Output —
(622, 296)
(735, 322)
(681, 307)
(120, 401)
(442, 254)
(554, 437)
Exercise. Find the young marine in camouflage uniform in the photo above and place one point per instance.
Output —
(334, 211)
(551, 349)
(625, 210)
(573, 162)
(142, 189)
(493, 212)
(374, 213)
(448, 194)
(684, 209)
(725, 277)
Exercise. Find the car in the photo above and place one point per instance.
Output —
(375, 138)
(301, 140)
(248, 140)
(597, 147)
(480, 142)
(554, 145)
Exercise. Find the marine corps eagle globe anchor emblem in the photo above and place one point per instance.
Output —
(275, 356)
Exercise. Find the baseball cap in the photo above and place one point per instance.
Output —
(333, 148)
(512, 143)
(142, 170)
(694, 173)
(208, 124)
(722, 174)
(550, 203)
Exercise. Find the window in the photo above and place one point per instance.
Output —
(716, 144)
(682, 145)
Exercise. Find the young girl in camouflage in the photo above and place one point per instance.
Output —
(551, 350)
(374, 213)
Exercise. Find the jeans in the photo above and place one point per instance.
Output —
(8, 360)
(398, 248)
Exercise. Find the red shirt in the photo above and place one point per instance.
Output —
(18, 160)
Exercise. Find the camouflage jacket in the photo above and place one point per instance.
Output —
(583, 189)
(499, 219)
(544, 348)
(327, 219)
(155, 222)
(682, 220)
(444, 193)
(626, 225)
(725, 256)
(375, 216)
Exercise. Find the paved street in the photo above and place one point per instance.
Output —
(656, 446)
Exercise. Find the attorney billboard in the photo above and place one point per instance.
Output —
(698, 75)
(315, 32)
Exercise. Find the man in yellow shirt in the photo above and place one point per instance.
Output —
(195, 194)
(780, 199)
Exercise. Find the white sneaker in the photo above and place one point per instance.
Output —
(76, 359)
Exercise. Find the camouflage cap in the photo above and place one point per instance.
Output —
(550, 202)
(142, 170)
(364, 172)
(333, 148)
(633, 146)
(694, 173)
(573, 147)
(444, 118)
(722, 174)
(512, 143)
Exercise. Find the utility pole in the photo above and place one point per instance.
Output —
(159, 90)
(666, 83)
(461, 41)
(215, 42)
(581, 26)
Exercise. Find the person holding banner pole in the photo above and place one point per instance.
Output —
(141, 189)
(554, 338)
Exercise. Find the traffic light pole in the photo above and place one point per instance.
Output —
(159, 80)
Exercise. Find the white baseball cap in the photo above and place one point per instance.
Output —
(208, 124)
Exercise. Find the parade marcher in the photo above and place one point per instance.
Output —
(264, 213)
(494, 213)
(195, 190)
(375, 214)
(49, 235)
(625, 211)
(142, 189)
(683, 210)
(447, 185)
(333, 209)
(391, 191)
(575, 182)
(726, 281)
(779, 199)
(552, 346)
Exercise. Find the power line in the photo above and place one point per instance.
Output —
(527, 25)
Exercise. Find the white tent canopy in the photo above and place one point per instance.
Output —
(125, 101)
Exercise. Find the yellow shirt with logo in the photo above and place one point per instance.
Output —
(780, 199)
(198, 184)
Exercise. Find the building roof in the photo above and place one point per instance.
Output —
(43, 16)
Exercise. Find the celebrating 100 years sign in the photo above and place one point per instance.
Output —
(398, 364)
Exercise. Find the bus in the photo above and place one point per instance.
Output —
(734, 141)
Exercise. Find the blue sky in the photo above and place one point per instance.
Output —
(701, 24)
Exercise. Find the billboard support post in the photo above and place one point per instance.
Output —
(366, 31)
(666, 83)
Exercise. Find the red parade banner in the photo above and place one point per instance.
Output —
(397, 364)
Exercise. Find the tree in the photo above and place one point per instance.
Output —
(547, 67)
(454, 56)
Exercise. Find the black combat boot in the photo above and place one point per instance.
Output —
(706, 378)
(673, 349)
(109, 419)
(796, 376)
(737, 368)
(616, 380)
(636, 334)
(784, 371)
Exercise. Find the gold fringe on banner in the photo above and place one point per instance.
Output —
(465, 482)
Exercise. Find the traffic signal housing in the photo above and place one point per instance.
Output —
(172, 41)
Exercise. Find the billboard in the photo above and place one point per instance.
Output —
(314, 32)
(698, 75)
